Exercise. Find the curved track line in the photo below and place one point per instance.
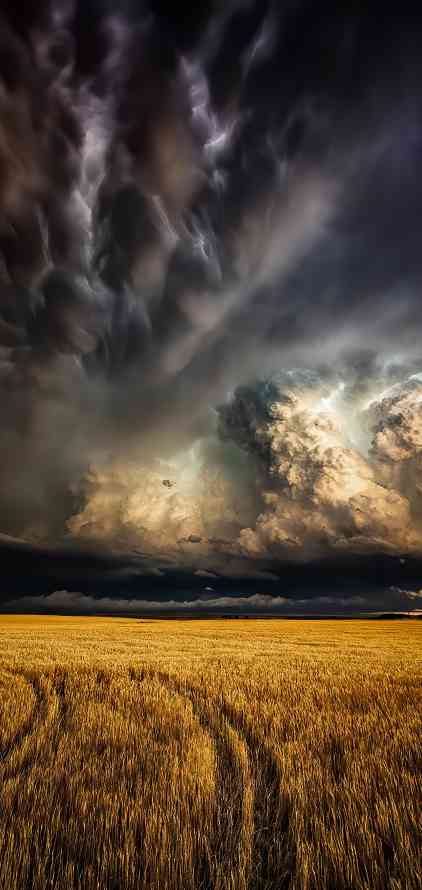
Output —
(234, 818)
(252, 817)
(36, 720)
(271, 857)
(29, 726)
(270, 813)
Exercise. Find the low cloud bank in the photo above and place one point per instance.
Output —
(258, 603)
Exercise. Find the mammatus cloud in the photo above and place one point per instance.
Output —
(184, 209)
(129, 235)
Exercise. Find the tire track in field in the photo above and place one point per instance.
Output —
(271, 855)
(231, 845)
(270, 862)
(35, 723)
(35, 718)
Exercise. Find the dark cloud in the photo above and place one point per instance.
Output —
(192, 199)
(64, 600)
(353, 582)
(262, 604)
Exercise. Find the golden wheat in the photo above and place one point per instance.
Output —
(155, 755)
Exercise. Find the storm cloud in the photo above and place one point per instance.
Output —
(319, 463)
(210, 275)
(342, 470)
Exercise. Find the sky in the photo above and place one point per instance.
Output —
(210, 273)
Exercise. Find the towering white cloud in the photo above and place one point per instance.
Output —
(315, 466)
(323, 493)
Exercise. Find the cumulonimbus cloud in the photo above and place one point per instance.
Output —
(321, 465)
(173, 226)
(342, 475)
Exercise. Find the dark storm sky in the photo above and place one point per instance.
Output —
(210, 275)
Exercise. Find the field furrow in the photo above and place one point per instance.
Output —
(194, 756)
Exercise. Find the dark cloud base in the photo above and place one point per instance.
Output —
(352, 585)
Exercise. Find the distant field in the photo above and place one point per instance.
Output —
(181, 755)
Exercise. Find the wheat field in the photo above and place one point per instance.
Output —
(209, 754)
